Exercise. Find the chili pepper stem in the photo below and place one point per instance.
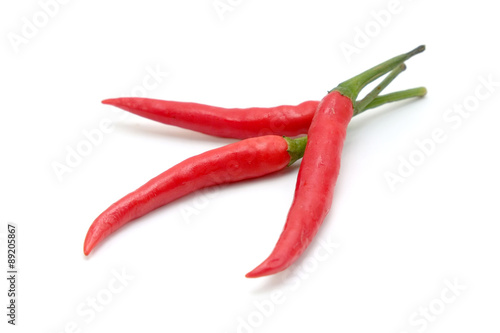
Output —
(296, 148)
(353, 86)
(394, 97)
(361, 105)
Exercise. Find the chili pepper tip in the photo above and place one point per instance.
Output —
(272, 265)
(108, 101)
(263, 270)
(90, 243)
(86, 250)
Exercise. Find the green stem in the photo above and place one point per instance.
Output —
(353, 86)
(297, 147)
(395, 96)
(359, 106)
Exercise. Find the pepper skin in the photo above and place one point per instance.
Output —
(245, 159)
(288, 120)
(318, 174)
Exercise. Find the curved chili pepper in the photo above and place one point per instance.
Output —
(289, 120)
(320, 167)
(245, 159)
(315, 183)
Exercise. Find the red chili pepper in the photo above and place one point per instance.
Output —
(315, 183)
(320, 168)
(289, 120)
(245, 159)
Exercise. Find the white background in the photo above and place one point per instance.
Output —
(398, 250)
